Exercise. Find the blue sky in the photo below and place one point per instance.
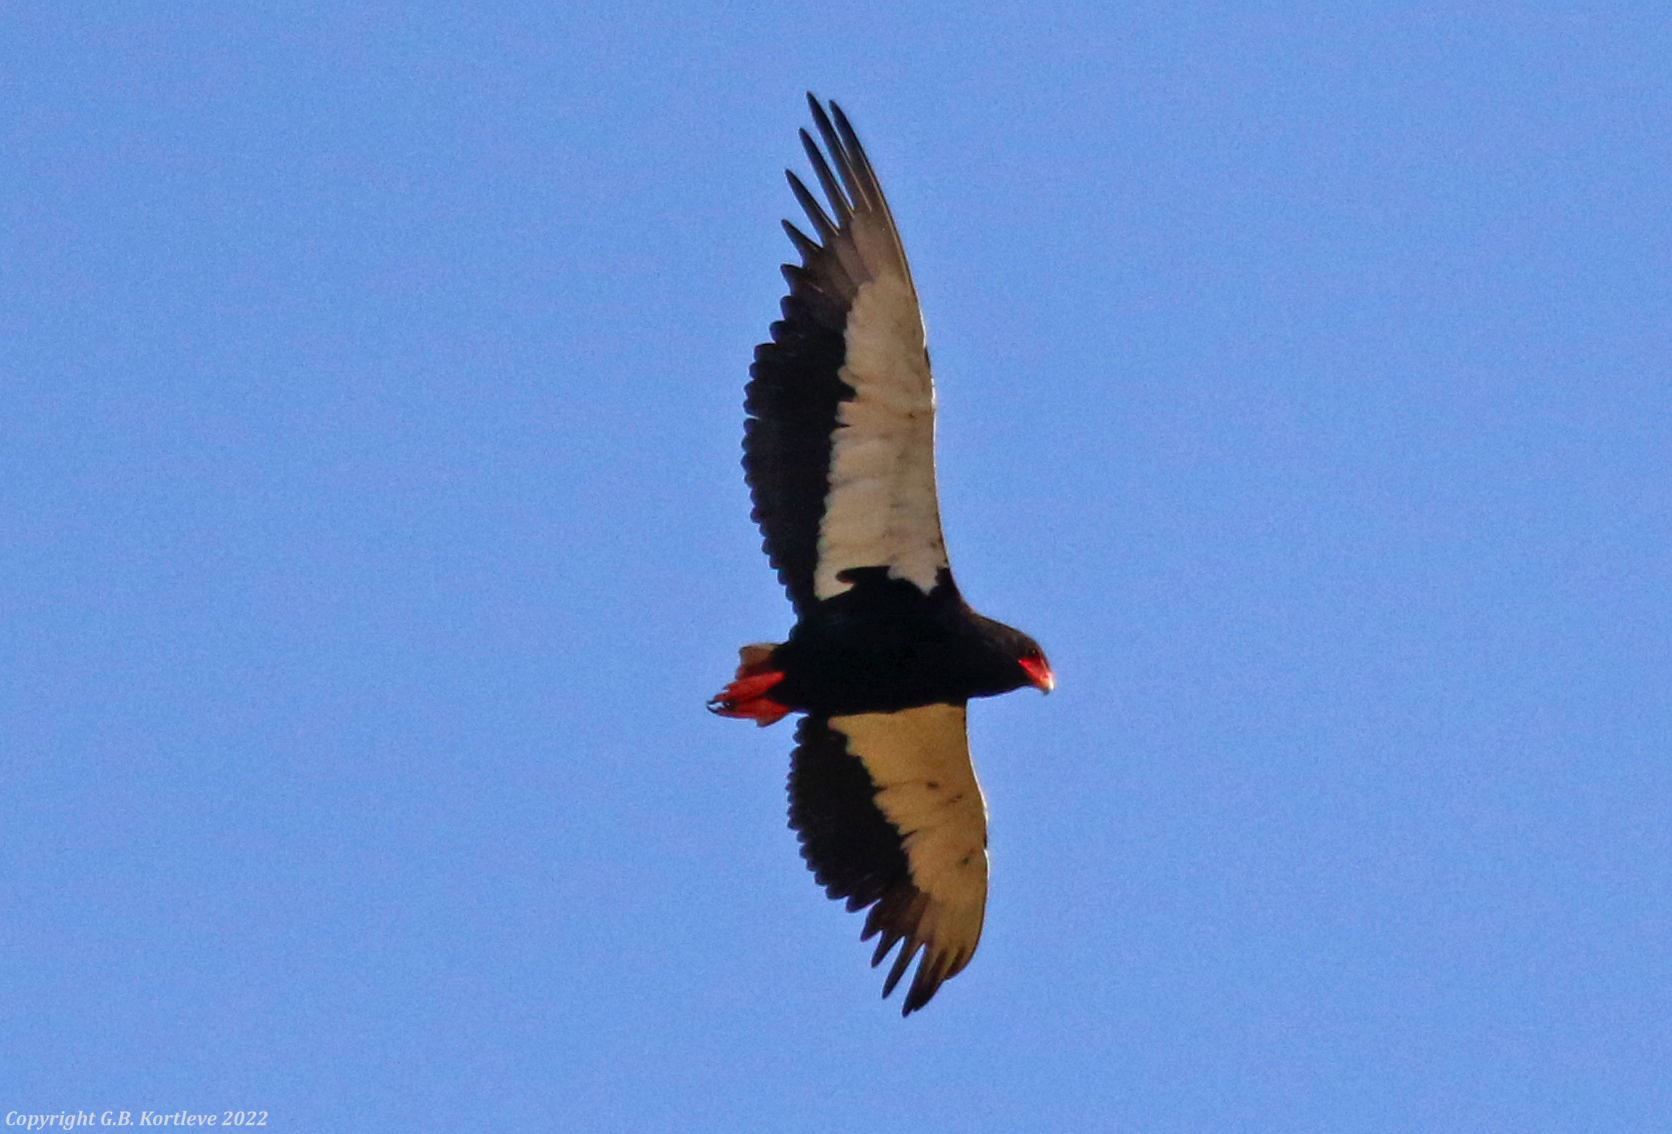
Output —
(370, 383)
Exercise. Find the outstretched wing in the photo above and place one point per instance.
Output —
(890, 816)
(839, 445)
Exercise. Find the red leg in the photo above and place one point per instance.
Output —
(745, 697)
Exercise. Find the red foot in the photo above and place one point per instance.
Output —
(744, 697)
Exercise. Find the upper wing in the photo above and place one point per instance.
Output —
(839, 446)
(889, 813)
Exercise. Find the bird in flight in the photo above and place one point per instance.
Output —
(839, 455)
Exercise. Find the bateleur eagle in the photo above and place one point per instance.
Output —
(838, 452)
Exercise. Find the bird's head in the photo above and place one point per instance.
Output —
(1012, 658)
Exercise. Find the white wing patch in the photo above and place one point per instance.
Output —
(926, 787)
(881, 509)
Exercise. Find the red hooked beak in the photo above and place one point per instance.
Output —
(1039, 673)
